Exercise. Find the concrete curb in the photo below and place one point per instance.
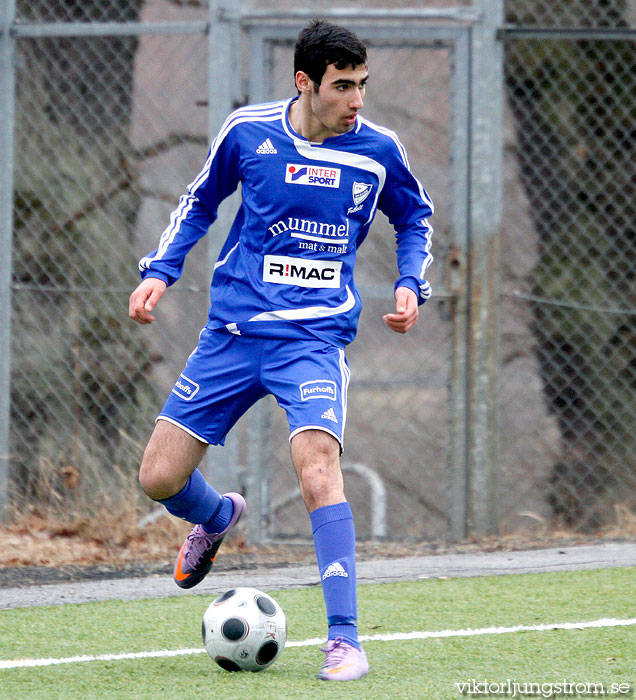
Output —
(377, 571)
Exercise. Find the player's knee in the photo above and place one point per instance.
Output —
(148, 481)
(316, 478)
(321, 483)
(154, 480)
(321, 491)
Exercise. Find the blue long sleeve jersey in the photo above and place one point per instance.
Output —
(286, 268)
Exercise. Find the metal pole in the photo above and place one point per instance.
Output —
(301, 15)
(258, 421)
(486, 137)
(94, 29)
(7, 109)
(456, 282)
(221, 463)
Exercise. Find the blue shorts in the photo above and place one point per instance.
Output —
(228, 373)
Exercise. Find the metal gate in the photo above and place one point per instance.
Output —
(420, 437)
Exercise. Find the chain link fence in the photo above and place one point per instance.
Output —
(111, 127)
(571, 85)
(93, 132)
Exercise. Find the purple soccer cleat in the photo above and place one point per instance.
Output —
(198, 552)
(343, 662)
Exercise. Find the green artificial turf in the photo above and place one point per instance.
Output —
(437, 668)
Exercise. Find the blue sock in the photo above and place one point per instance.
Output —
(335, 542)
(221, 519)
(198, 502)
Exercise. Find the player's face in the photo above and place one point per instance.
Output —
(339, 97)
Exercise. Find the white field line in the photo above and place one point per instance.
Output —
(400, 636)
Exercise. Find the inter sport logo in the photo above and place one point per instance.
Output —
(312, 175)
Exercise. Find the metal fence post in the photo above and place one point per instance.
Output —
(7, 103)
(221, 464)
(456, 282)
(485, 183)
(226, 92)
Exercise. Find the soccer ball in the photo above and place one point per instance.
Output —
(244, 630)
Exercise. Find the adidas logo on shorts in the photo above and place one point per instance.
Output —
(335, 569)
(330, 414)
(266, 148)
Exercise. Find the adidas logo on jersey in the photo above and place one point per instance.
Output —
(335, 569)
(266, 148)
(330, 414)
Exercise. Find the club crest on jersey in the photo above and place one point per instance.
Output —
(361, 191)
(312, 175)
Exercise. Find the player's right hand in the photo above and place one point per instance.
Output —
(144, 299)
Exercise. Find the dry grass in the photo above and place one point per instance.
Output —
(114, 537)
(39, 541)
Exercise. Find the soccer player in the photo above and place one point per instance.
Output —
(284, 305)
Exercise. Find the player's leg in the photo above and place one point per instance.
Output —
(171, 455)
(309, 380)
(209, 396)
(169, 475)
(316, 458)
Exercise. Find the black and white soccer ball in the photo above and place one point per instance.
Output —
(244, 630)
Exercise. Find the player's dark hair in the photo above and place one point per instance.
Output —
(323, 43)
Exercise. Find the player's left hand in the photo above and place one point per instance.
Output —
(406, 311)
